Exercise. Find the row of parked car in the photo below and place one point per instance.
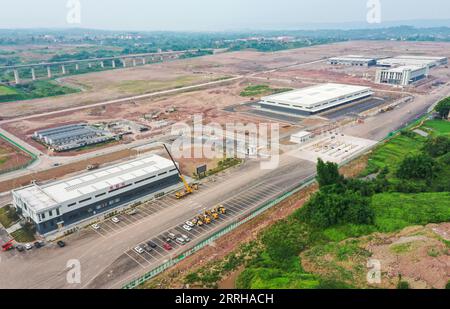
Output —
(171, 237)
(37, 244)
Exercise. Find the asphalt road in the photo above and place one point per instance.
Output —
(99, 254)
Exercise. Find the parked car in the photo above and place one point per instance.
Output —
(152, 244)
(181, 240)
(132, 212)
(172, 236)
(95, 226)
(20, 248)
(186, 238)
(187, 228)
(139, 249)
(28, 246)
(189, 223)
(167, 247)
(38, 244)
(61, 244)
(115, 220)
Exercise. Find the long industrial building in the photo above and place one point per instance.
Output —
(401, 76)
(67, 202)
(423, 61)
(315, 99)
(353, 60)
(72, 136)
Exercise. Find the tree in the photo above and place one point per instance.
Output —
(285, 240)
(328, 173)
(419, 166)
(437, 146)
(327, 209)
(403, 285)
(443, 108)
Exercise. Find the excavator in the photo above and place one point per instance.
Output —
(187, 189)
(212, 214)
(220, 210)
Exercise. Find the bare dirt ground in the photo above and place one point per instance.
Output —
(113, 84)
(418, 255)
(11, 157)
(65, 170)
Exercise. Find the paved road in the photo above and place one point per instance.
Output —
(97, 253)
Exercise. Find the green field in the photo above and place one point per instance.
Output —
(6, 220)
(23, 236)
(437, 127)
(33, 90)
(259, 90)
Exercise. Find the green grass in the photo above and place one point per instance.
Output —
(4, 90)
(23, 236)
(393, 152)
(35, 90)
(5, 220)
(258, 90)
(395, 211)
(438, 127)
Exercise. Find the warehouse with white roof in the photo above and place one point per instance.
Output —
(315, 99)
(59, 204)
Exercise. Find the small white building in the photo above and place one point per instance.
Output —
(409, 60)
(301, 137)
(353, 60)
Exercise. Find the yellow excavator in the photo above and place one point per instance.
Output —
(212, 214)
(220, 210)
(187, 189)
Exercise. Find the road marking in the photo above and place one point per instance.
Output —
(134, 259)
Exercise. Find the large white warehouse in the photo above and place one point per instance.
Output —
(315, 99)
(423, 61)
(66, 202)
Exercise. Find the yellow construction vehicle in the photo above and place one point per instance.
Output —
(207, 219)
(214, 214)
(222, 210)
(187, 189)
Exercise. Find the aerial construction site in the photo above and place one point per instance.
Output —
(97, 175)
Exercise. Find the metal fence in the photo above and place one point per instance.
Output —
(156, 271)
(22, 166)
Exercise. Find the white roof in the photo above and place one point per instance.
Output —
(411, 60)
(301, 134)
(310, 96)
(353, 58)
(49, 195)
(406, 67)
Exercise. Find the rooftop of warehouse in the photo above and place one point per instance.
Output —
(315, 94)
(41, 197)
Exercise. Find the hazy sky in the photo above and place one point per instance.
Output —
(209, 14)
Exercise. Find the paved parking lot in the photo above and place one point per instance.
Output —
(334, 147)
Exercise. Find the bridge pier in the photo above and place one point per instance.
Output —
(33, 74)
(124, 63)
(102, 64)
(90, 65)
(144, 61)
(16, 76)
(134, 62)
(49, 72)
(77, 66)
(63, 69)
(113, 63)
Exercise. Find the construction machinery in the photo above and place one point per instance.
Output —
(214, 214)
(187, 188)
(222, 210)
(92, 167)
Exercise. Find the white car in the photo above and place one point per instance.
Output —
(181, 240)
(95, 226)
(186, 238)
(187, 227)
(115, 220)
(189, 223)
(28, 246)
(139, 249)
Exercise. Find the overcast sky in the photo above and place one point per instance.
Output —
(209, 14)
